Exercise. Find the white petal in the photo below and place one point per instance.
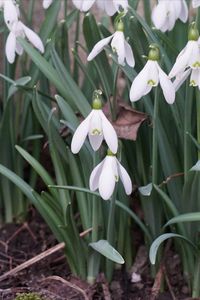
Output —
(109, 7)
(125, 178)
(80, 135)
(118, 46)
(129, 55)
(184, 11)
(194, 78)
(10, 13)
(99, 47)
(19, 49)
(109, 134)
(10, 47)
(195, 3)
(94, 177)
(83, 5)
(95, 141)
(107, 178)
(182, 60)
(47, 3)
(159, 15)
(194, 59)
(167, 87)
(141, 84)
(180, 78)
(33, 38)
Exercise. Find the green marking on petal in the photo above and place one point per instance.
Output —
(196, 64)
(151, 82)
(116, 178)
(96, 132)
(193, 83)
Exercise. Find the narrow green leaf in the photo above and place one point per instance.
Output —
(189, 217)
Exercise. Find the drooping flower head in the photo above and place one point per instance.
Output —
(150, 76)
(109, 6)
(18, 29)
(166, 12)
(119, 45)
(97, 127)
(188, 60)
(106, 174)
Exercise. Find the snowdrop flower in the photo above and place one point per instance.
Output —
(166, 13)
(47, 3)
(118, 44)
(97, 127)
(106, 174)
(18, 29)
(195, 3)
(109, 6)
(150, 76)
(188, 61)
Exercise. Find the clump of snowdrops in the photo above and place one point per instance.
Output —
(117, 101)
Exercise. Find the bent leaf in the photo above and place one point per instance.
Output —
(157, 242)
(104, 248)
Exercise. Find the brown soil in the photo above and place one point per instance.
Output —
(51, 277)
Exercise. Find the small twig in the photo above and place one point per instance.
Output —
(82, 234)
(32, 261)
(170, 178)
(169, 285)
(157, 283)
(73, 286)
(24, 226)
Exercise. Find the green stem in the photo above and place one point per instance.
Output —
(155, 140)
(111, 234)
(196, 285)
(93, 265)
(187, 129)
(198, 119)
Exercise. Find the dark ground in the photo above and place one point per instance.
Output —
(52, 279)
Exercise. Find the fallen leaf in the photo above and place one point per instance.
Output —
(128, 120)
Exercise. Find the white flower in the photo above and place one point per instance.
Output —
(195, 3)
(106, 174)
(119, 45)
(166, 13)
(97, 127)
(18, 29)
(150, 76)
(109, 6)
(47, 3)
(188, 57)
